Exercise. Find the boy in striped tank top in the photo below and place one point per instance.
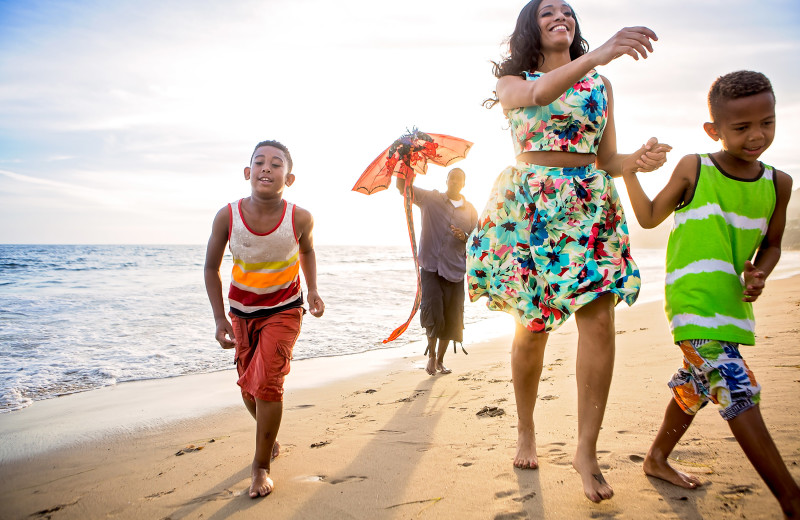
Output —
(270, 241)
(728, 207)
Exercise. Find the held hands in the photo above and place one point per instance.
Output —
(754, 280)
(633, 41)
(224, 334)
(648, 158)
(458, 233)
(315, 304)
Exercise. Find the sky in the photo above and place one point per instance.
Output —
(131, 122)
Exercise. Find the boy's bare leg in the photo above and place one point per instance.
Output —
(675, 423)
(595, 365)
(527, 356)
(752, 435)
(443, 343)
(268, 421)
(251, 407)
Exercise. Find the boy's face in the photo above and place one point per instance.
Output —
(746, 126)
(267, 172)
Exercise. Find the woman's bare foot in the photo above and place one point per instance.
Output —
(662, 469)
(260, 484)
(276, 450)
(526, 449)
(431, 368)
(443, 369)
(594, 485)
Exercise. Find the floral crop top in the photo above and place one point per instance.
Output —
(572, 123)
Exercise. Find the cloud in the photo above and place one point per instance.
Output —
(149, 110)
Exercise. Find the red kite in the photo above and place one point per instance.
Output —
(405, 158)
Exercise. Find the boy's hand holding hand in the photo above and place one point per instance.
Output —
(315, 304)
(224, 334)
(754, 281)
(649, 157)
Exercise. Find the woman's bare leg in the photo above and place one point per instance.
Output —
(595, 364)
(527, 356)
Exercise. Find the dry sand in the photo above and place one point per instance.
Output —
(396, 443)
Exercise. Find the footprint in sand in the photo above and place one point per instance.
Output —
(46, 512)
(503, 494)
(311, 478)
(525, 498)
(160, 494)
(560, 459)
(604, 514)
(349, 478)
(226, 494)
(490, 411)
(638, 459)
(737, 490)
(511, 516)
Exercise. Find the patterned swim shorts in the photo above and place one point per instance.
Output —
(714, 371)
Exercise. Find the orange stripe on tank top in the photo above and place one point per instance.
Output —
(261, 280)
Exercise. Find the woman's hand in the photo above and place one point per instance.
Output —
(648, 158)
(633, 41)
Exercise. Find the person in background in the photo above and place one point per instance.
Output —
(447, 220)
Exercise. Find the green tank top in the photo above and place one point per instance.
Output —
(711, 238)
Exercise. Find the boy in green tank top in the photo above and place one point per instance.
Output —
(728, 207)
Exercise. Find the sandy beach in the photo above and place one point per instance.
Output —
(396, 443)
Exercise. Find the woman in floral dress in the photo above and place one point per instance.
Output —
(552, 240)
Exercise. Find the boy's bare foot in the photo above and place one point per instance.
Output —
(662, 470)
(595, 486)
(431, 368)
(526, 450)
(260, 485)
(443, 369)
(276, 450)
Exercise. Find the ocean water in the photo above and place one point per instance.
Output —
(77, 318)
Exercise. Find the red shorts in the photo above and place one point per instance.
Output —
(263, 352)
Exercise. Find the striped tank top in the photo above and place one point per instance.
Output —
(265, 278)
(711, 238)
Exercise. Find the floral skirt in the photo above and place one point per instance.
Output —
(549, 241)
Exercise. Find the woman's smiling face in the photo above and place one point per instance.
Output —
(557, 25)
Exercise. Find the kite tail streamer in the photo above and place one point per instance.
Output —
(407, 202)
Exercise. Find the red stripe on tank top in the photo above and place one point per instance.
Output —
(250, 299)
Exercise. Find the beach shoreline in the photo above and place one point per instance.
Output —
(393, 442)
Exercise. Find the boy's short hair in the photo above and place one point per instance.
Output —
(279, 146)
(735, 85)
